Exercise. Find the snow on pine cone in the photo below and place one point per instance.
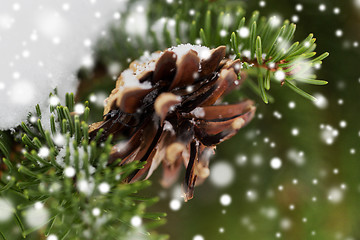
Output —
(168, 106)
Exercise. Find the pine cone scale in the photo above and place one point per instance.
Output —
(210, 64)
(165, 67)
(190, 176)
(187, 68)
(218, 113)
(129, 102)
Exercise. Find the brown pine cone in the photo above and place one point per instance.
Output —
(167, 105)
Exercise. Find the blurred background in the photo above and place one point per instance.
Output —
(294, 171)
(315, 193)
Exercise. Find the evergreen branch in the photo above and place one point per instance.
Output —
(73, 180)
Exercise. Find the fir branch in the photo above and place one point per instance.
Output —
(70, 179)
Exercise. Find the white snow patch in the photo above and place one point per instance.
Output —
(279, 75)
(241, 160)
(130, 80)
(96, 212)
(225, 199)
(52, 237)
(54, 101)
(136, 221)
(169, 127)
(44, 152)
(175, 204)
(222, 174)
(357, 3)
(36, 216)
(275, 163)
(328, 134)
(198, 237)
(59, 140)
(285, 224)
(79, 108)
(252, 195)
(244, 32)
(147, 62)
(136, 23)
(198, 112)
(104, 187)
(86, 186)
(69, 172)
(147, 57)
(295, 156)
(299, 7)
(60, 157)
(43, 42)
(321, 101)
(182, 49)
(6, 209)
(322, 7)
(275, 21)
(335, 195)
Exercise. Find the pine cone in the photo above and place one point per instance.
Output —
(167, 105)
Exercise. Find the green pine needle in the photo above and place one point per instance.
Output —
(299, 91)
